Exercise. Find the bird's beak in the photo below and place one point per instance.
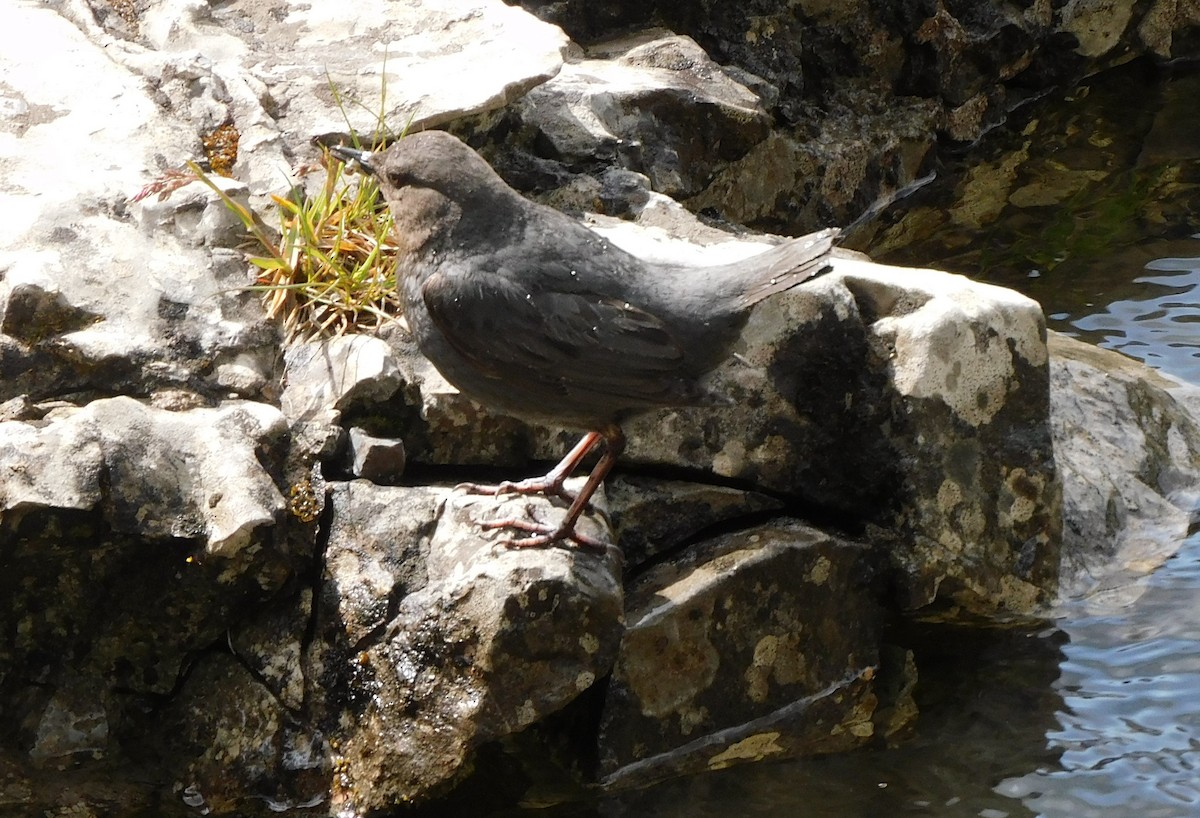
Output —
(354, 159)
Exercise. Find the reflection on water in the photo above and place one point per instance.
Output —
(1099, 224)
(1158, 325)
(1073, 206)
(1129, 728)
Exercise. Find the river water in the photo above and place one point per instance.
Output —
(1090, 204)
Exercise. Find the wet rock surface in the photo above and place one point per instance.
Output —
(1131, 480)
(197, 593)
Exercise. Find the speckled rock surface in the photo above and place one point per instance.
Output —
(980, 511)
(861, 90)
(652, 516)
(200, 617)
(230, 736)
(455, 641)
(940, 382)
(654, 106)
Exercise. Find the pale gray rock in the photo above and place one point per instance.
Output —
(378, 459)
(322, 379)
(1127, 440)
(425, 62)
(656, 101)
(940, 382)
(979, 517)
(377, 554)
(333, 374)
(139, 298)
(139, 307)
(153, 473)
(418, 638)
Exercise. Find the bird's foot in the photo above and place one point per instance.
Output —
(544, 535)
(548, 485)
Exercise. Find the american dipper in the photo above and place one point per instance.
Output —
(527, 311)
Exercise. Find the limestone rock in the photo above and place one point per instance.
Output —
(154, 473)
(659, 103)
(437, 423)
(941, 383)
(133, 311)
(273, 645)
(380, 460)
(376, 554)
(980, 511)
(237, 63)
(133, 297)
(861, 89)
(323, 379)
(653, 516)
(230, 737)
(159, 600)
(434, 641)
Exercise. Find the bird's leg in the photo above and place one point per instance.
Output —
(544, 535)
(551, 483)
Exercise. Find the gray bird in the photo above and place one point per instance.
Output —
(527, 311)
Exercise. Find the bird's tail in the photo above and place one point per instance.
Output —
(788, 264)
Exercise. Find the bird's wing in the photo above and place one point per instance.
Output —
(573, 343)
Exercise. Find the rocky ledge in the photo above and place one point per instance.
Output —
(238, 576)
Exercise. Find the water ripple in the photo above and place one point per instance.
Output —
(1156, 327)
(1129, 728)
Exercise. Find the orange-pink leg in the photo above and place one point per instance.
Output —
(546, 535)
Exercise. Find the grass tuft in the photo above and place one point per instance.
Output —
(331, 270)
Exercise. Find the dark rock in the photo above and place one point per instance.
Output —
(652, 516)
(238, 748)
(759, 645)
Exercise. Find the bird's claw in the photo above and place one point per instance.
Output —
(544, 536)
(532, 485)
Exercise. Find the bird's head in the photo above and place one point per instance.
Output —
(432, 182)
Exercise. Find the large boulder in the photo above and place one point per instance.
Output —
(941, 383)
